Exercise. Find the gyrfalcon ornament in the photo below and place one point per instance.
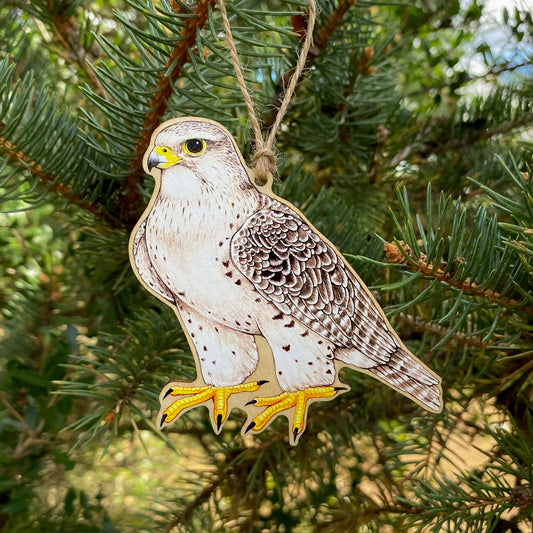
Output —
(239, 266)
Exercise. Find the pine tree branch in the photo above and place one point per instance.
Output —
(204, 496)
(504, 127)
(424, 144)
(383, 459)
(363, 69)
(422, 325)
(28, 437)
(38, 173)
(326, 31)
(68, 35)
(411, 510)
(522, 370)
(130, 203)
(248, 459)
(320, 42)
(494, 70)
(404, 255)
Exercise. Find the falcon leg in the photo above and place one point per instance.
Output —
(287, 400)
(193, 396)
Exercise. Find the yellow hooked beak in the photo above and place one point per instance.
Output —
(162, 157)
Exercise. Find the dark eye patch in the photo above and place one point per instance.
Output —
(194, 146)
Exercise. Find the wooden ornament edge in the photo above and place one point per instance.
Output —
(155, 173)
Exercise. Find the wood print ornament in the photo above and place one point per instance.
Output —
(241, 266)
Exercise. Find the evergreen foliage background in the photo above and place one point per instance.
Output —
(408, 143)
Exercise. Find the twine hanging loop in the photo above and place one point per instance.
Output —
(264, 163)
(264, 159)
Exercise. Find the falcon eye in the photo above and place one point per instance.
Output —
(194, 146)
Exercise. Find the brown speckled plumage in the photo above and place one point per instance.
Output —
(303, 276)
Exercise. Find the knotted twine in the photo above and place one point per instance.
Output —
(264, 159)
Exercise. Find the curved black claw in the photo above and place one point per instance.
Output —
(337, 389)
(163, 418)
(249, 428)
(251, 402)
(219, 422)
(169, 391)
(262, 382)
(295, 433)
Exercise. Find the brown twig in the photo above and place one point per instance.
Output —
(327, 30)
(425, 145)
(404, 255)
(68, 34)
(131, 201)
(204, 496)
(28, 437)
(37, 172)
(495, 70)
(423, 325)
(321, 39)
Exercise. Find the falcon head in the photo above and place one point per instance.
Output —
(200, 148)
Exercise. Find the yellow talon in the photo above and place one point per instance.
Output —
(286, 400)
(180, 391)
(193, 396)
(175, 408)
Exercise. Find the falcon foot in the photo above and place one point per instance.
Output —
(197, 395)
(285, 401)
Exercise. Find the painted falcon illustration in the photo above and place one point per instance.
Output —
(238, 264)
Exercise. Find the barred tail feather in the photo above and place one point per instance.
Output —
(409, 376)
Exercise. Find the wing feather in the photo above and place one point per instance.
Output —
(145, 268)
(292, 266)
